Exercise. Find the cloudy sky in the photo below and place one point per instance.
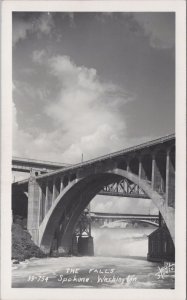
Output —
(91, 83)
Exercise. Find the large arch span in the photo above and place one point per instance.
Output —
(73, 199)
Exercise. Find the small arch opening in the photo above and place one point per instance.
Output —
(172, 157)
(147, 166)
(50, 186)
(65, 181)
(122, 165)
(57, 184)
(160, 159)
(72, 177)
(134, 165)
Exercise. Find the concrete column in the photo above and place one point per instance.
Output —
(61, 185)
(74, 249)
(42, 201)
(54, 196)
(170, 181)
(49, 196)
(46, 199)
(142, 174)
(157, 181)
(160, 219)
(34, 198)
(41, 204)
(153, 173)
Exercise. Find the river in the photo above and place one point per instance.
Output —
(119, 262)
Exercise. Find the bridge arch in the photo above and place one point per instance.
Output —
(75, 197)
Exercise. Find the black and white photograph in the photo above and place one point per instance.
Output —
(96, 151)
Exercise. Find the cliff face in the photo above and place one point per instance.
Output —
(22, 245)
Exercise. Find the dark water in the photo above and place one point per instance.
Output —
(119, 262)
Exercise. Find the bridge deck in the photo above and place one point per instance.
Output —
(106, 157)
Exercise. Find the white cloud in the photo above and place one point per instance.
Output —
(71, 19)
(41, 25)
(39, 56)
(85, 115)
(21, 139)
(87, 110)
(102, 141)
(20, 29)
(44, 24)
(87, 119)
(28, 92)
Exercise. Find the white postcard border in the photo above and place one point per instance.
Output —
(6, 151)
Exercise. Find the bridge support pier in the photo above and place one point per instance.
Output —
(160, 246)
(33, 218)
(170, 179)
(85, 246)
(74, 248)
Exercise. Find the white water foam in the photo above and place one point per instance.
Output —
(121, 242)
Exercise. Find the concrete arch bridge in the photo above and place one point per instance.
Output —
(57, 199)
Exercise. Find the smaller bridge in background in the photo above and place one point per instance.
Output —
(27, 165)
(115, 217)
(90, 219)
